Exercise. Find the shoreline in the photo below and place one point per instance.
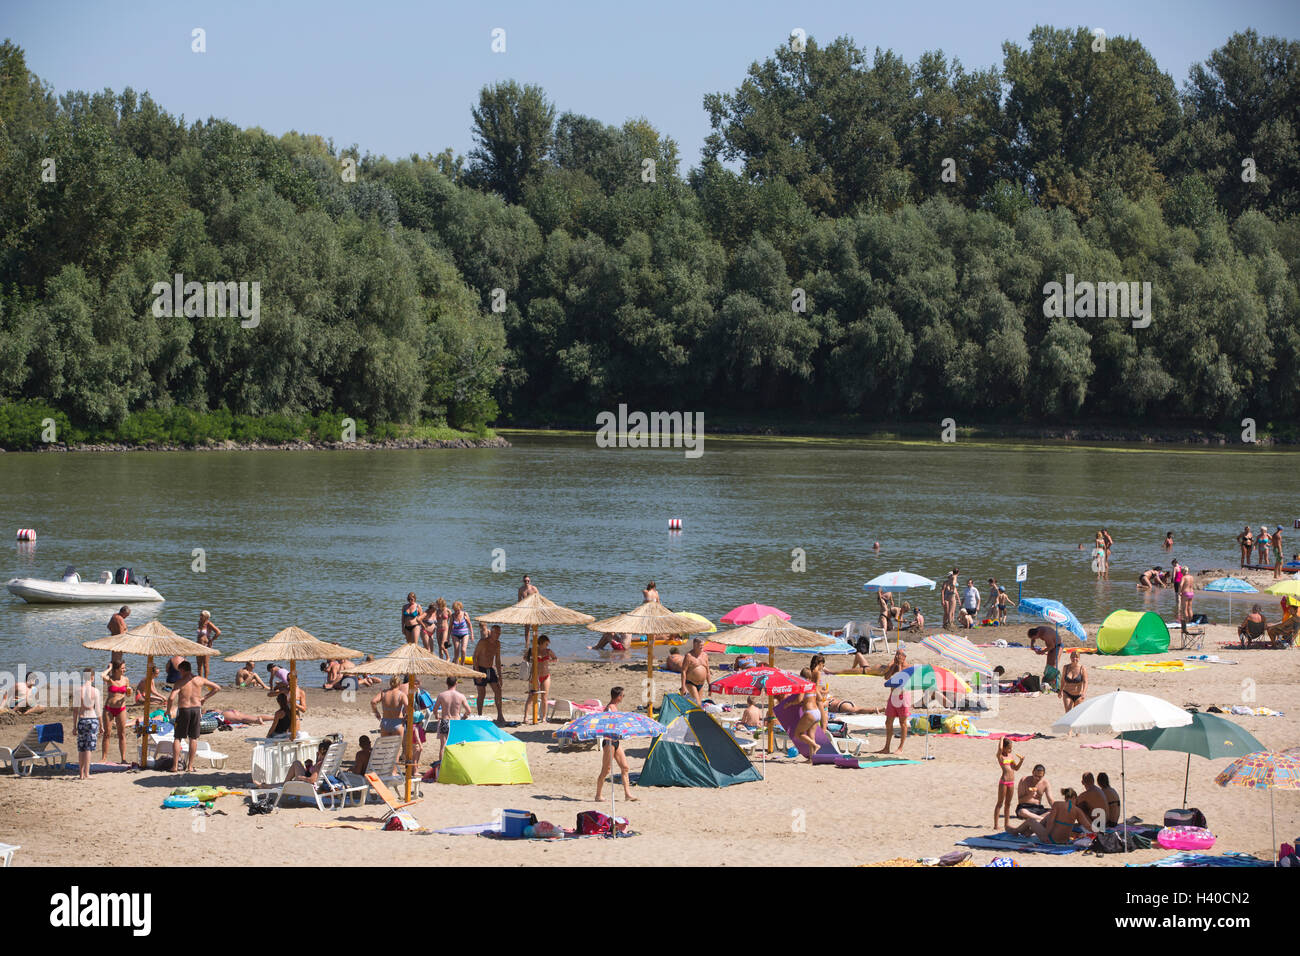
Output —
(496, 441)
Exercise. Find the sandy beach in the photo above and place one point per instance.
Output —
(797, 815)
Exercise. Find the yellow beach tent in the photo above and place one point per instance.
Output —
(1133, 632)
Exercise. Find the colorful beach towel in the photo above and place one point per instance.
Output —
(1154, 667)
(1209, 659)
(1187, 858)
(1014, 841)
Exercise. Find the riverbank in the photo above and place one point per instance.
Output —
(797, 815)
(494, 441)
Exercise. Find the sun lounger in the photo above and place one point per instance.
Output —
(165, 747)
(39, 746)
(329, 784)
(389, 798)
(567, 710)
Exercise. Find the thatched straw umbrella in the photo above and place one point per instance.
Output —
(532, 612)
(150, 640)
(412, 659)
(653, 620)
(771, 632)
(293, 644)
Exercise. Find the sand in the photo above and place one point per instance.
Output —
(799, 815)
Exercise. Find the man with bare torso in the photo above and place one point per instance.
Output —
(189, 699)
(695, 671)
(487, 661)
(450, 705)
(1034, 795)
(1092, 801)
(1052, 648)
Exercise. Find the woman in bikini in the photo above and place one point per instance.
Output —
(650, 593)
(443, 627)
(429, 628)
(1008, 764)
(207, 636)
(1058, 828)
(461, 628)
(814, 708)
(1186, 595)
(1074, 683)
(410, 618)
(611, 752)
(545, 656)
(948, 597)
(117, 687)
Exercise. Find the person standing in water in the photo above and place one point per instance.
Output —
(650, 593)
(1246, 541)
(460, 628)
(410, 618)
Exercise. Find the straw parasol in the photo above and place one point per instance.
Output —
(650, 619)
(150, 639)
(412, 659)
(771, 631)
(293, 644)
(532, 612)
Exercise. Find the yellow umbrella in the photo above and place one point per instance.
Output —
(1289, 586)
(293, 644)
(650, 619)
(150, 640)
(412, 659)
(532, 612)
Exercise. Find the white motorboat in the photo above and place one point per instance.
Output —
(109, 589)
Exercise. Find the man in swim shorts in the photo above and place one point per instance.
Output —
(86, 714)
(695, 671)
(1034, 795)
(1052, 648)
(189, 700)
(898, 707)
(450, 705)
(487, 661)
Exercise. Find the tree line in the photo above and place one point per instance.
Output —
(861, 239)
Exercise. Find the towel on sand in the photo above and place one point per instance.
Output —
(1014, 841)
(1154, 667)
(1187, 858)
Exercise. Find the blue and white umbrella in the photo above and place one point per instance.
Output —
(611, 725)
(834, 645)
(1057, 613)
(1230, 586)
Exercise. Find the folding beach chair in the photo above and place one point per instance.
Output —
(39, 746)
(389, 798)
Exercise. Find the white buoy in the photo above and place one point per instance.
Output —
(674, 524)
(26, 534)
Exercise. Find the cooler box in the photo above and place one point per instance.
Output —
(513, 822)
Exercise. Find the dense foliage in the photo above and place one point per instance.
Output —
(917, 210)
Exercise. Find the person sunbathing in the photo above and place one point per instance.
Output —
(613, 641)
(238, 717)
(1030, 794)
(1059, 828)
(309, 772)
(1112, 800)
(751, 718)
(246, 676)
(675, 661)
(362, 760)
(1253, 626)
(838, 706)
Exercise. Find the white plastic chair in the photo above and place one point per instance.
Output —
(30, 751)
(338, 796)
(7, 853)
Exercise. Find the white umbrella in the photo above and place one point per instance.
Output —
(899, 580)
(1120, 713)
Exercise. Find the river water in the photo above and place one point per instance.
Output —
(332, 541)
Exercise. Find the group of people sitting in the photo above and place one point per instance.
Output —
(1282, 632)
(1059, 821)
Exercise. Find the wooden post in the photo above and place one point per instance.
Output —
(293, 700)
(771, 711)
(410, 729)
(649, 680)
(533, 687)
(148, 704)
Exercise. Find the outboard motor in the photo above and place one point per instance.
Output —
(123, 576)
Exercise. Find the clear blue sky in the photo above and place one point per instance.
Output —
(400, 77)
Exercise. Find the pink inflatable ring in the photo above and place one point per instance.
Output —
(1185, 838)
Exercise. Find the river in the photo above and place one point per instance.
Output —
(332, 541)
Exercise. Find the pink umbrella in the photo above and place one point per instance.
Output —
(749, 613)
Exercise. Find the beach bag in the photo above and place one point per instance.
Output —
(595, 823)
(1190, 817)
(1112, 841)
(1030, 683)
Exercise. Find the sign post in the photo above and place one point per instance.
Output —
(1022, 574)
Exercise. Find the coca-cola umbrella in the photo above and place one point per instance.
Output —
(759, 680)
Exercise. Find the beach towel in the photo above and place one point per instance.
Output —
(1209, 659)
(862, 763)
(1188, 858)
(1114, 745)
(1241, 710)
(472, 829)
(1014, 841)
(340, 825)
(567, 835)
(991, 735)
(1154, 667)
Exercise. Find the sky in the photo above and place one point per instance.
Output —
(398, 78)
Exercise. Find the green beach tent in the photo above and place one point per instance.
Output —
(480, 753)
(695, 752)
(1133, 632)
(673, 706)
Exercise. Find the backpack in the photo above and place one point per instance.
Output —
(1190, 817)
